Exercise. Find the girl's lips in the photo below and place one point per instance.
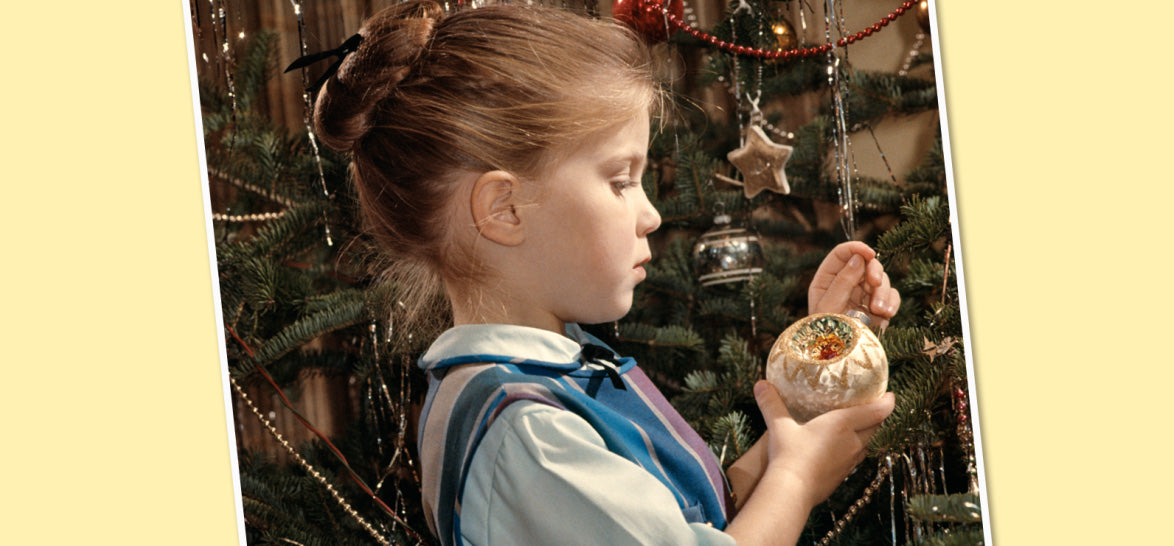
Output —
(639, 268)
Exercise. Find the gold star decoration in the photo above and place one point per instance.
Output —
(761, 163)
(933, 350)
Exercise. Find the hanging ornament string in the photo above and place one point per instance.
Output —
(778, 54)
(309, 105)
(337, 453)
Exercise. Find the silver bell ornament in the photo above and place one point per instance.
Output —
(726, 253)
(827, 361)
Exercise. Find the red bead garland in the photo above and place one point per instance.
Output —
(677, 22)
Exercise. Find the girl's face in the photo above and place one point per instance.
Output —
(587, 232)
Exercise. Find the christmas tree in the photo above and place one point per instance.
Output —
(325, 387)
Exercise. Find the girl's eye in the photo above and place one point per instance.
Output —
(621, 185)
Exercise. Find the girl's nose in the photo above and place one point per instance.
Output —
(648, 219)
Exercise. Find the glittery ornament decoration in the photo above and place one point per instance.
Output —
(827, 361)
(726, 254)
(645, 17)
(761, 163)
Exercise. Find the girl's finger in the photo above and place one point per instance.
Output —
(876, 272)
(866, 434)
(843, 252)
(866, 416)
(770, 404)
(840, 292)
(880, 305)
(894, 301)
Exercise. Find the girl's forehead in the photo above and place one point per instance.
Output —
(627, 140)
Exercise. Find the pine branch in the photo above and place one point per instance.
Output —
(957, 508)
(919, 386)
(348, 311)
(927, 221)
(970, 536)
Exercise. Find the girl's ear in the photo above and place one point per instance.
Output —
(495, 200)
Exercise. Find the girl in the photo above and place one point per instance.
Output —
(499, 151)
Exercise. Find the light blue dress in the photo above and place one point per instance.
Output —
(555, 448)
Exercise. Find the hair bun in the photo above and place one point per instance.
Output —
(393, 41)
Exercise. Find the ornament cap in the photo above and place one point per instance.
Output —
(860, 316)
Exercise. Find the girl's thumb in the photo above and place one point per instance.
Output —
(769, 402)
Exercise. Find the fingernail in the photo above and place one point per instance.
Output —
(856, 261)
(759, 388)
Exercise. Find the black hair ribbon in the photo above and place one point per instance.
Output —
(607, 359)
(349, 46)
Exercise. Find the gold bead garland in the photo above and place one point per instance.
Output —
(217, 173)
(257, 217)
(305, 464)
(856, 506)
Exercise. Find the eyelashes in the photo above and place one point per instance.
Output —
(621, 185)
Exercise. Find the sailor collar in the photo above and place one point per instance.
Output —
(576, 353)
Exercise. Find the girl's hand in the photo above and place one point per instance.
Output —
(815, 457)
(849, 276)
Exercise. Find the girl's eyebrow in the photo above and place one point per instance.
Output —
(625, 160)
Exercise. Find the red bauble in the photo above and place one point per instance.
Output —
(648, 23)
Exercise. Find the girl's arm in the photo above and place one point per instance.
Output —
(805, 464)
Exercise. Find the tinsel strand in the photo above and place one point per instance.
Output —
(309, 106)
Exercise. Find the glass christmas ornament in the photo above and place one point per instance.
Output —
(827, 361)
(923, 15)
(785, 37)
(726, 254)
(651, 24)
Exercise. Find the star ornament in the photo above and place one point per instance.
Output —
(761, 163)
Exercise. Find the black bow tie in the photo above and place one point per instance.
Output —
(595, 354)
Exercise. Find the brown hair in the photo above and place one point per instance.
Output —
(426, 96)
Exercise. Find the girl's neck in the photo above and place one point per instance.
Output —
(481, 309)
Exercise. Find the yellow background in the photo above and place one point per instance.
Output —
(115, 427)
